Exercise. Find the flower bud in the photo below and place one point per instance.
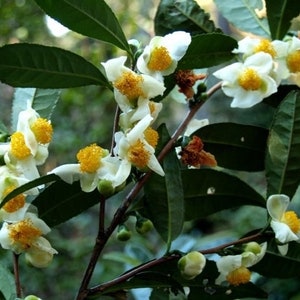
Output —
(253, 247)
(123, 234)
(191, 264)
(32, 297)
(105, 188)
(143, 225)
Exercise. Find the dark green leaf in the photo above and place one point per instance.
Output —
(282, 159)
(280, 14)
(173, 15)
(243, 16)
(31, 65)
(93, 18)
(164, 196)
(7, 284)
(207, 191)
(42, 100)
(207, 50)
(4, 133)
(235, 146)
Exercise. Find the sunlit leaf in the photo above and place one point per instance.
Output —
(93, 18)
(235, 146)
(282, 159)
(207, 50)
(207, 191)
(280, 14)
(31, 65)
(7, 284)
(243, 16)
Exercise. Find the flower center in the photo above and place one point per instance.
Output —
(160, 59)
(15, 203)
(151, 136)
(137, 155)
(90, 158)
(291, 219)
(42, 130)
(250, 80)
(18, 146)
(129, 84)
(24, 233)
(293, 61)
(239, 276)
(265, 46)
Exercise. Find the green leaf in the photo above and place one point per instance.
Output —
(4, 133)
(184, 15)
(41, 100)
(243, 16)
(280, 15)
(235, 146)
(7, 284)
(207, 191)
(282, 158)
(93, 18)
(164, 196)
(31, 65)
(208, 50)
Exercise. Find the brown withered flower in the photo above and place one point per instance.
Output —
(194, 155)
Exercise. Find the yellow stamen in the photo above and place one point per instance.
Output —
(239, 276)
(24, 233)
(293, 61)
(15, 203)
(160, 59)
(151, 107)
(42, 130)
(265, 46)
(250, 80)
(151, 136)
(291, 219)
(18, 146)
(129, 84)
(137, 155)
(90, 158)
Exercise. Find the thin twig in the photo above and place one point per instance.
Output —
(17, 275)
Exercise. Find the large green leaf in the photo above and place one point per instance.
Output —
(207, 191)
(31, 65)
(7, 284)
(93, 18)
(173, 15)
(42, 100)
(164, 197)
(207, 50)
(235, 146)
(280, 14)
(283, 155)
(243, 16)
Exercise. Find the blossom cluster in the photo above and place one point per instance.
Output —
(22, 230)
(263, 67)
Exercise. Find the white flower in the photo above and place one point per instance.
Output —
(285, 224)
(293, 60)
(129, 87)
(161, 56)
(249, 82)
(137, 146)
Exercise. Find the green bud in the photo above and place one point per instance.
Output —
(143, 225)
(252, 247)
(191, 264)
(123, 234)
(32, 297)
(201, 88)
(105, 188)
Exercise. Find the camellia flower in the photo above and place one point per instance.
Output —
(293, 60)
(129, 87)
(249, 82)
(161, 56)
(191, 264)
(234, 268)
(137, 146)
(286, 224)
(25, 236)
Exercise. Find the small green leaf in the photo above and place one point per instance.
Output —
(7, 284)
(207, 50)
(243, 16)
(42, 100)
(31, 65)
(207, 191)
(187, 15)
(164, 197)
(282, 158)
(280, 15)
(235, 146)
(4, 133)
(93, 18)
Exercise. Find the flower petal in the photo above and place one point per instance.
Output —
(277, 205)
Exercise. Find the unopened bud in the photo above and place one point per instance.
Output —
(143, 225)
(123, 234)
(191, 264)
(253, 247)
(105, 188)
(32, 297)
